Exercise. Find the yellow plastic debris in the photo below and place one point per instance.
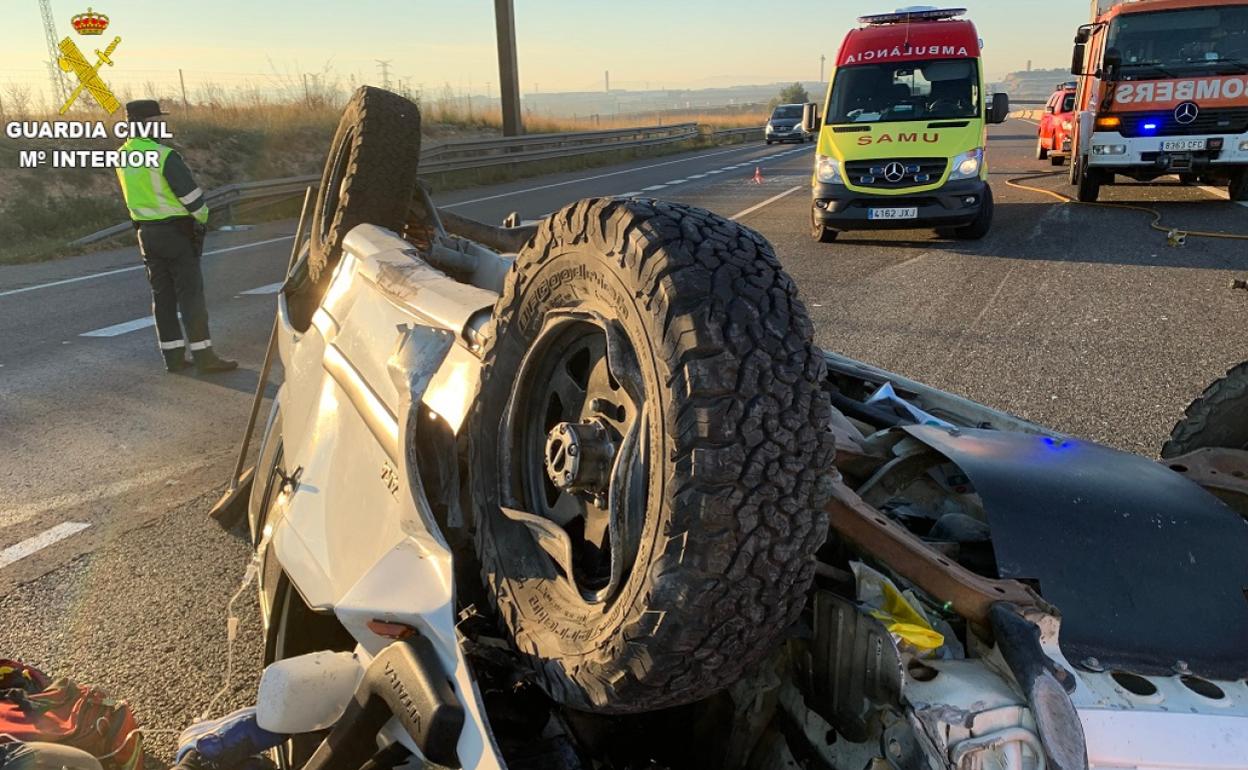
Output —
(903, 620)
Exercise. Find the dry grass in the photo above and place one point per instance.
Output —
(440, 116)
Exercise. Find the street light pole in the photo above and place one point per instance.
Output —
(508, 71)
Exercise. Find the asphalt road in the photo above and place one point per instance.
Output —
(1078, 317)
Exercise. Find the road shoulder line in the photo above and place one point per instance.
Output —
(107, 273)
(768, 202)
(32, 545)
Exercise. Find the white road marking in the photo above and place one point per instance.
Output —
(697, 176)
(716, 171)
(121, 328)
(64, 281)
(591, 178)
(677, 181)
(268, 288)
(653, 187)
(767, 202)
(31, 545)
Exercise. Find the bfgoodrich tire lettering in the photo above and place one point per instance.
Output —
(740, 454)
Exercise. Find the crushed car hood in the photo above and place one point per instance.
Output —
(1148, 569)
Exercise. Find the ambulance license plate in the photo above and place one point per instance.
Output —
(1182, 145)
(894, 213)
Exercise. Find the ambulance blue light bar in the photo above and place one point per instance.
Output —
(918, 13)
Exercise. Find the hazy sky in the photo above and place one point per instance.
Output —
(564, 44)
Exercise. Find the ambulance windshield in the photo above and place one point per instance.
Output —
(879, 93)
(1164, 44)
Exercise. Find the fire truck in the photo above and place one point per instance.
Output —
(1163, 90)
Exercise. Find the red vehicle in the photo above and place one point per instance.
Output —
(1054, 135)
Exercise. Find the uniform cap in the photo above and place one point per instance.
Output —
(143, 109)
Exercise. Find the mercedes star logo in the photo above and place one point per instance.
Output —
(1186, 113)
(894, 172)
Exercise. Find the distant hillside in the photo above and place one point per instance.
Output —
(1036, 84)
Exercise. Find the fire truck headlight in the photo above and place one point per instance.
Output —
(828, 170)
(967, 165)
(1109, 149)
(1243, 145)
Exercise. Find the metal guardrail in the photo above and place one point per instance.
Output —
(223, 196)
(755, 132)
(462, 155)
(472, 154)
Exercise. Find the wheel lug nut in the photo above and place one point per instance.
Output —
(572, 451)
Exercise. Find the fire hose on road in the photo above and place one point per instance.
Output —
(1174, 236)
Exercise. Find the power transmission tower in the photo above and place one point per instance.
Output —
(60, 89)
(385, 72)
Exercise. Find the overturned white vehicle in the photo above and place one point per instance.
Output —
(587, 495)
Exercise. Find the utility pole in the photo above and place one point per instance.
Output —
(606, 81)
(186, 103)
(508, 70)
(822, 59)
(385, 72)
(60, 90)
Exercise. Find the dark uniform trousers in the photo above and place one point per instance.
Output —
(171, 252)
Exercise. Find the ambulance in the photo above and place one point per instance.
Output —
(902, 134)
(1163, 90)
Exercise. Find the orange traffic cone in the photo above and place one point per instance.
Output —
(758, 175)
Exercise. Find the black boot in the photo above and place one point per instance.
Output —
(175, 359)
(207, 362)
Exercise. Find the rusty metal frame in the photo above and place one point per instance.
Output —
(1217, 470)
(968, 594)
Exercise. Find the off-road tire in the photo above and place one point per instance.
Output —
(1219, 418)
(369, 175)
(740, 469)
(979, 227)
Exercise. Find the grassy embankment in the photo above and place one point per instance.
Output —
(42, 209)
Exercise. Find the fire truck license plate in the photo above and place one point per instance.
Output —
(894, 213)
(1182, 145)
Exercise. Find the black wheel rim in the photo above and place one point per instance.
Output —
(576, 448)
(332, 185)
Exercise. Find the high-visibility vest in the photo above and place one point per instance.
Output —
(148, 194)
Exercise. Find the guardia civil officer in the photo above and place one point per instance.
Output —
(170, 217)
